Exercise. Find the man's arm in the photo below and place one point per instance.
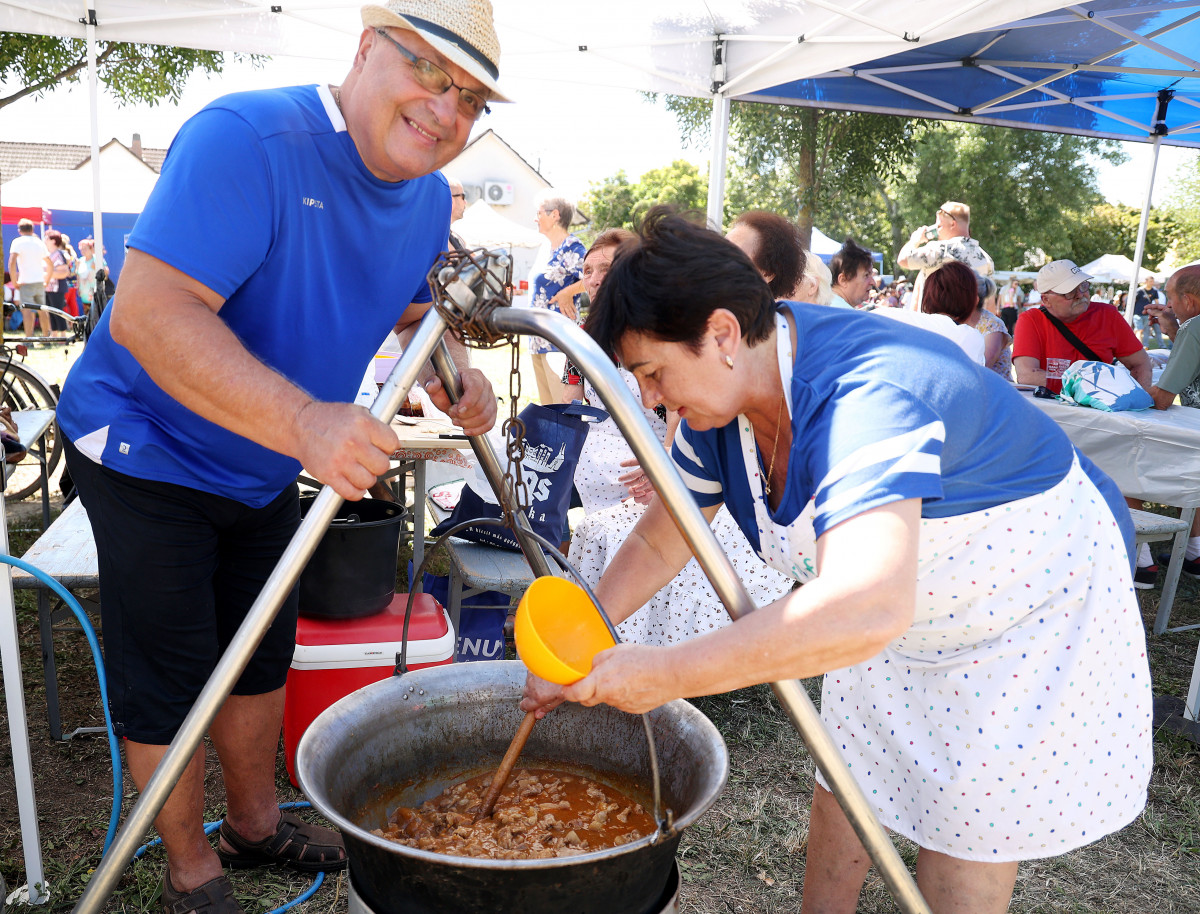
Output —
(12, 267)
(169, 322)
(1138, 364)
(1029, 370)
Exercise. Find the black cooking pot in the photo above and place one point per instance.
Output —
(353, 571)
(403, 740)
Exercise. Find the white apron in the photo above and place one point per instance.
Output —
(1013, 719)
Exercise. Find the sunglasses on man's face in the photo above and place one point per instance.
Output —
(434, 79)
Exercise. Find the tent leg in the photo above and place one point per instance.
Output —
(716, 171)
(1141, 237)
(93, 92)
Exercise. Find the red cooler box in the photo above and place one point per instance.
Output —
(335, 657)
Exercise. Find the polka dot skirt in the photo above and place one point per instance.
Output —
(1013, 720)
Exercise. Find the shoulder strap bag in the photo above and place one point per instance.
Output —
(1070, 337)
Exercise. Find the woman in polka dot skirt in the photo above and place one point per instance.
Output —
(974, 616)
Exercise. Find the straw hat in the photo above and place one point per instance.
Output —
(461, 30)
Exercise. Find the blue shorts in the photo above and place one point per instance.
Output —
(179, 571)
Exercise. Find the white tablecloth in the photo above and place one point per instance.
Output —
(1151, 454)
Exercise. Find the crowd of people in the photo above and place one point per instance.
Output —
(49, 271)
(850, 483)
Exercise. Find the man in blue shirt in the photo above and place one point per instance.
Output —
(290, 230)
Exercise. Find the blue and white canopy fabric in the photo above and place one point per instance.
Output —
(1118, 69)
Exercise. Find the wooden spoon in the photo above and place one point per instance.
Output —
(500, 778)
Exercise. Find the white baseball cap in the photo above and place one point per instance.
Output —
(1061, 276)
(462, 30)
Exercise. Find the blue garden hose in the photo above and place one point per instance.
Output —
(114, 749)
(86, 624)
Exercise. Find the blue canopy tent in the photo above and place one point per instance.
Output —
(1114, 69)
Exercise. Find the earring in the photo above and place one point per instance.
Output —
(729, 360)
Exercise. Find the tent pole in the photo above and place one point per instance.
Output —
(1141, 236)
(716, 170)
(720, 139)
(1159, 130)
(93, 92)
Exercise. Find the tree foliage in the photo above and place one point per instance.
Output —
(802, 162)
(1183, 207)
(1030, 192)
(1113, 229)
(616, 203)
(148, 73)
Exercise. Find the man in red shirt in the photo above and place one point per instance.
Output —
(1042, 351)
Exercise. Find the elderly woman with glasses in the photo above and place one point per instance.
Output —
(1068, 327)
(562, 272)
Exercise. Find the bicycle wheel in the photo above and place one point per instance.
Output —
(23, 388)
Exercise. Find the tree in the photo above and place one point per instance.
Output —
(1184, 208)
(131, 72)
(615, 203)
(809, 161)
(1113, 229)
(1028, 191)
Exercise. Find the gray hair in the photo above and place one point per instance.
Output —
(562, 206)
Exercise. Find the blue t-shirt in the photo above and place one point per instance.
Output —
(264, 199)
(883, 412)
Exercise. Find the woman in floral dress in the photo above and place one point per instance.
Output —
(563, 269)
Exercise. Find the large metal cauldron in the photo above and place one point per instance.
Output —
(404, 739)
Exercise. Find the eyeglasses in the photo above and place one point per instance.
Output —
(950, 216)
(1080, 291)
(461, 196)
(434, 79)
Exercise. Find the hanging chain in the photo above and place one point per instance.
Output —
(468, 285)
(514, 438)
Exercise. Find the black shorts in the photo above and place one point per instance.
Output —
(179, 571)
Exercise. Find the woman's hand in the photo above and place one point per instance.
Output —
(540, 696)
(636, 482)
(564, 301)
(629, 677)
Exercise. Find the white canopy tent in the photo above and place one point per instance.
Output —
(54, 188)
(1116, 268)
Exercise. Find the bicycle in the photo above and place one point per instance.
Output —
(22, 388)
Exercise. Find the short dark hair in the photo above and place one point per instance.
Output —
(780, 254)
(849, 260)
(951, 290)
(670, 278)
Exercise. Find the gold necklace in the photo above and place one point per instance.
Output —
(774, 447)
(337, 98)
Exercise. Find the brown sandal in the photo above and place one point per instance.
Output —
(214, 897)
(296, 844)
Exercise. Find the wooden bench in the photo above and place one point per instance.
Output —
(1154, 528)
(32, 425)
(475, 568)
(67, 553)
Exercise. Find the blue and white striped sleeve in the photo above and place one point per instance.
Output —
(874, 444)
(701, 480)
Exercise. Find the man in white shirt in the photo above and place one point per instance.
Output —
(30, 266)
(949, 238)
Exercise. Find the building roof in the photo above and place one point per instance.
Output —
(18, 158)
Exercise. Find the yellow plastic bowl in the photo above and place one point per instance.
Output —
(559, 630)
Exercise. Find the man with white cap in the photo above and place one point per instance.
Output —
(1068, 327)
(228, 361)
